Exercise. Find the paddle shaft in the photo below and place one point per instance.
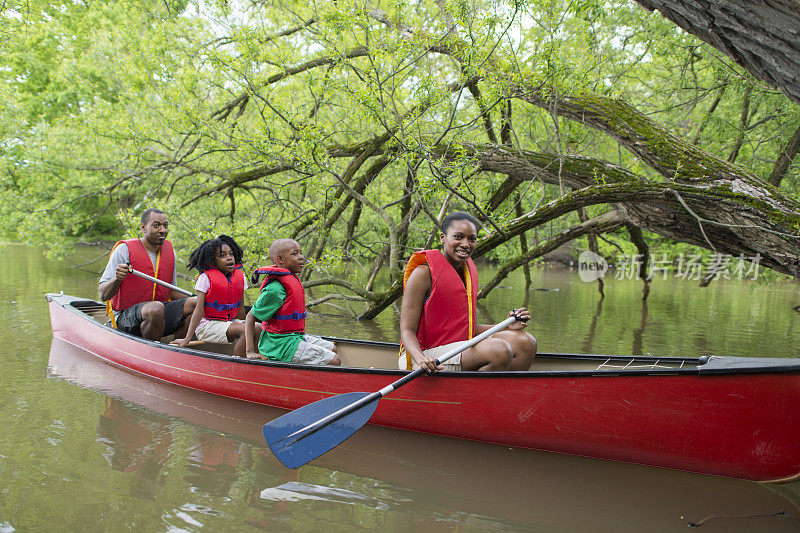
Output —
(160, 282)
(344, 411)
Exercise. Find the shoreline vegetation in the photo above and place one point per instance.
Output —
(566, 258)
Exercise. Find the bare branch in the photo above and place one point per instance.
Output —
(608, 221)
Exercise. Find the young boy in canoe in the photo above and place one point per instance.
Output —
(218, 316)
(281, 308)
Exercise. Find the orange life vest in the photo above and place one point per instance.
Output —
(449, 313)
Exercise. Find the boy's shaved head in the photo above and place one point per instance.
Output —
(280, 246)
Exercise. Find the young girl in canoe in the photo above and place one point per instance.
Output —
(219, 314)
(440, 294)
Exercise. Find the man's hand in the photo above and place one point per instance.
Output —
(123, 269)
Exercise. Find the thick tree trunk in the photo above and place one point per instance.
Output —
(763, 37)
(754, 218)
(637, 238)
(735, 214)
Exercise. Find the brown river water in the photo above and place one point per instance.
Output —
(88, 447)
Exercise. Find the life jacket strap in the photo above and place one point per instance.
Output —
(294, 316)
(223, 307)
(257, 273)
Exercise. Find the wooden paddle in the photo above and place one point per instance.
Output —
(306, 433)
(160, 282)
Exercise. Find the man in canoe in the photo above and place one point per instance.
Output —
(141, 307)
(281, 308)
(440, 292)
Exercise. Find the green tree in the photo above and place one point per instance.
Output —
(352, 127)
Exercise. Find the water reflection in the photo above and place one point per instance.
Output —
(589, 340)
(137, 444)
(638, 333)
(214, 461)
(385, 479)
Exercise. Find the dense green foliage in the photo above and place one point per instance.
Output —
(345, 124)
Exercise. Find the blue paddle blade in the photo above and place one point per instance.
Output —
(295, 450)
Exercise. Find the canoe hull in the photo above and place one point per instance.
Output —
(737, 424)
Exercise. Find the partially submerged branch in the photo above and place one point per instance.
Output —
(609, 221)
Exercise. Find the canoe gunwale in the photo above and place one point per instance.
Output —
(711, 368)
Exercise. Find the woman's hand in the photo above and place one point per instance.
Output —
(522, 318)
(428, 364)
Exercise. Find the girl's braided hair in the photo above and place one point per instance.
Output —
(205, 255)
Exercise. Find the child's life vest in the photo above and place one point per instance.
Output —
(291, 316)
(224, 296)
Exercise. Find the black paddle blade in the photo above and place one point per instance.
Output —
(296, 450)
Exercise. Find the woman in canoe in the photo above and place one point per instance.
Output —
(440, 292)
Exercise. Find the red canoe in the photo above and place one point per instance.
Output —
(728, 416)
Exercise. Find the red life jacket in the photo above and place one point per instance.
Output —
(291, 316)
(449, 313)
(224, 296)
(133, 289)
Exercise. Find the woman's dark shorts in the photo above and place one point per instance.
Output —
(130, 319)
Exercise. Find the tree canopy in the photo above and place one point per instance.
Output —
(352, 126)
